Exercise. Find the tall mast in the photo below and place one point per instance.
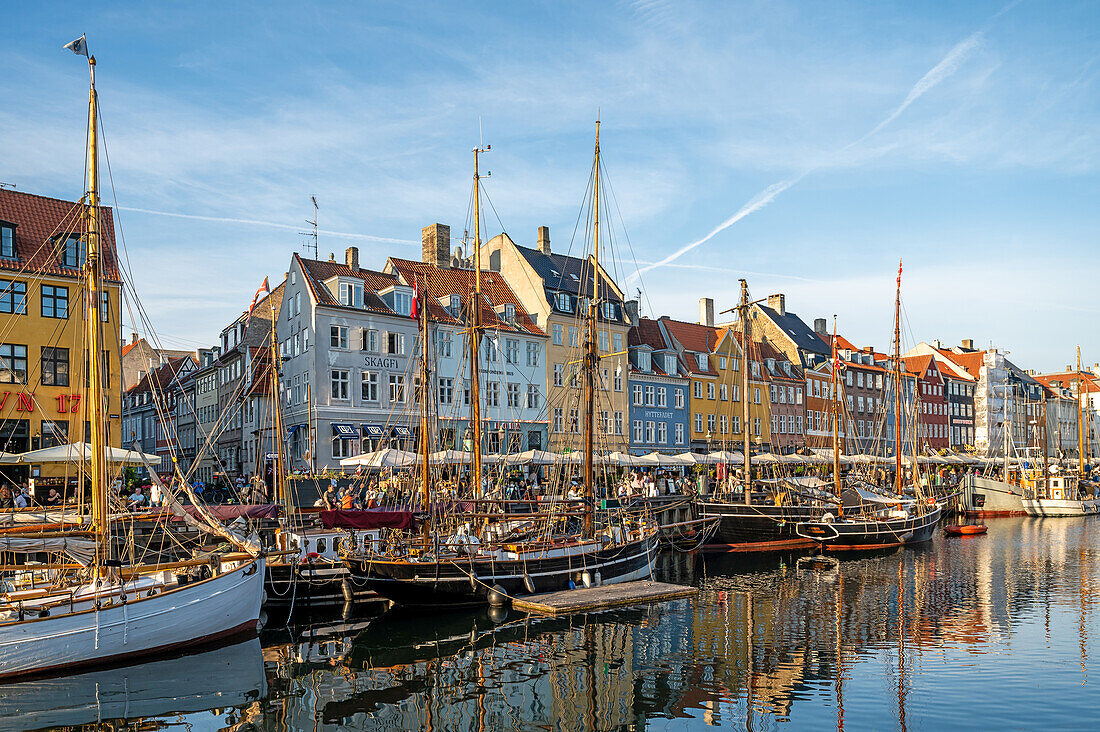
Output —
(746, 363)
(1080, 418)
(96, 409)
(897, 385)
(475, 333)
(836, 427)
(591, 354)
(281, 492)
(425, 392)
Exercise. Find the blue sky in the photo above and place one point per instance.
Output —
(962, 137)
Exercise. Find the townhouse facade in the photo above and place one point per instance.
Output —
(555, 289)
(658, 391)
(933, 420)
(43, 247)
(786, 385)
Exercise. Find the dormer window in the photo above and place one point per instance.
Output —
(644, 361)
(509, 312)
(454, 305)
(73, 251)
(402, 303)
(7, 240)
(351, 294)
(610, 311)
(564, 302)
(701, 359)
(670, 364)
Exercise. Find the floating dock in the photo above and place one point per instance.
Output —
(602, 598)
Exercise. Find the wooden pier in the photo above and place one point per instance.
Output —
(602, 598)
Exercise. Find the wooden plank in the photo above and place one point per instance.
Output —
(602, 598)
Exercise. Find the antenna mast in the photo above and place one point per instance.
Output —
(312, 235)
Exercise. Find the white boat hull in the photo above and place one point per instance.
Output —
(1061, 507)
(222, 606)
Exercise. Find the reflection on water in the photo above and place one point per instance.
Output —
(993, 628)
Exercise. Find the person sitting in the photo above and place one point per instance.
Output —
(348, 499)
(7, 503)
(136, 500)
(53, 498)
(22, 498)
(331, 499)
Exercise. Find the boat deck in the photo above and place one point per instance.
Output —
(601, 598)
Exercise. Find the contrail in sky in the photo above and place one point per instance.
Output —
(271, 224)
(945, 68)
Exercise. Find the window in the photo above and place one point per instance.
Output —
(638, 395)
(446, 390)
(618, 378)
(395, 343)
(532, 353)
(662, 433)
(756, 426)
(342, 448)
(397, 388)
(305, 340)
(13, 364)
(638, 430)
(559, 419)
(756, 396)
(723, 393)
(698, 421)
(572, 335)
(722, 363)
(679, 433)
(574, 421)
(662, 397)
(351, 295)
(534, 399)
(55, 366)
(492, 394)
(340, 384)
(511, 350)
(490, 350)
(697, 387)
(402, 303)
(558, 371)
(609, 310)
(736, 423)
(618, 423)
(710, 423)
(617, 341)
(443, 341)
(13, 297)
(710, 390)
(848, 377)
(7, 241)
(338, 336)
(650, 393)
(649, 432)
(723, 424)
(701, 360)
(564, 302)
(73, 251)
(513, 395)
(783, 424)
(558, 335)
(603, 341)
(55, 302)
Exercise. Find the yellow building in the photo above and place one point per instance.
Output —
(712, 360)
(43, 331)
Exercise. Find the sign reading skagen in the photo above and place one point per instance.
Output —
(377, 362)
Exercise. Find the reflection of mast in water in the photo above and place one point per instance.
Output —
(901, 645)
(837, 625)
(750, 627)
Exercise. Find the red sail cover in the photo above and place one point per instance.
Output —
(371, 519)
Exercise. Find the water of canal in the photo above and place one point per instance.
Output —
(994, 631)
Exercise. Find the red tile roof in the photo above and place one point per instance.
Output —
(161, 377)
(317, 272)
(970, 362)
(646, 332)
(438, 282)
(1066, 379)
(39, 220)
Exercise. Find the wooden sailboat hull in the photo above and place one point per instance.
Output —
(1053, 507)
(865, 534)
(463, 582)
(758, 528)
(223, 606)
(313, 585)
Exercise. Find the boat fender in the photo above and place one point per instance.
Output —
(599, 579)
(348, 590)
(44, 613)
(572, 585)
(473, 581)
(497, 596)
(586, 578)
(528, 583)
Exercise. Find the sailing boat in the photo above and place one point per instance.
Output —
(752, 524)
(59, 617)
(472, 568)
(890, 521)
(1050, 492)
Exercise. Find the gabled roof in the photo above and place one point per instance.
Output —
(971, 362)
(647, 332)
(38, 220)
(1066, 380)
(563, 273)
(437, 282)
(918, 365)
(162, 376)
(318, 272)
(792, 326)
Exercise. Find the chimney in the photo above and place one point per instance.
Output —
(331, 256)
(778, 303)
(544, 239)
(706, 311)
(968, 344)
(437, 245)
(351, 256)
(821, 326)
(133, 337)
(630, 307)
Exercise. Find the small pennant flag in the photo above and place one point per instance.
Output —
(264, 291)
(415, 311)
(79, 46)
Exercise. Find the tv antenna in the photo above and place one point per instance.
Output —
(7, 185)
(311, 234)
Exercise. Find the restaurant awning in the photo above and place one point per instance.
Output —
(402, 431)
(374, 431)
(342, 429)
